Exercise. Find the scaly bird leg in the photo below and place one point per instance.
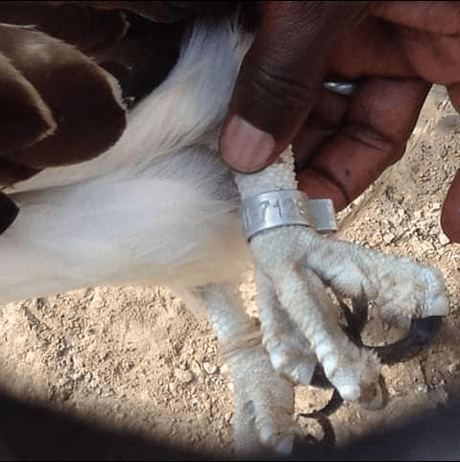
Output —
(264, 401)
(294, 265)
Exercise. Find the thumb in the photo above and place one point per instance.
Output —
(280, 78)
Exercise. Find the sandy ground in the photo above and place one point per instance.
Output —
(138, 360)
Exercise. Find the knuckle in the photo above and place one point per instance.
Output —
(275, 98)
(283, 89)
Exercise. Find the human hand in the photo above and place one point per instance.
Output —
(343, 143)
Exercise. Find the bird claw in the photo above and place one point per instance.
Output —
(294, 267)
(300, 334)
(420, 334)
(293, 287)
(302, 298)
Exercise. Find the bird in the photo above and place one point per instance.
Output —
(145, 199)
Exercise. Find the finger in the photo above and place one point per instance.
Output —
(280, 78)
(155, 11)
(381, 118)
(414, 38)
(371, 48)
(325, 120)
(90, 31)
(24, 116)
(430, 16)
(83, 100)
(168, 12)
(450, 215)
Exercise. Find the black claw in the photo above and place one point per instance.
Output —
(360, 310)
(332, 406)
(421, 333)
(356, 319)
(319, 378)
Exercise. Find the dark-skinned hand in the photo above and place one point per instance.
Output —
(395, 50)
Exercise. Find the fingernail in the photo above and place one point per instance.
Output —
(244, 147)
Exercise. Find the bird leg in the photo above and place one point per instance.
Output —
(264, 400)
(294, 266)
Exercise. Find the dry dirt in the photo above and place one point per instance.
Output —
(136, 359)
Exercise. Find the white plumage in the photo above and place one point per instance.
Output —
(159, 207)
